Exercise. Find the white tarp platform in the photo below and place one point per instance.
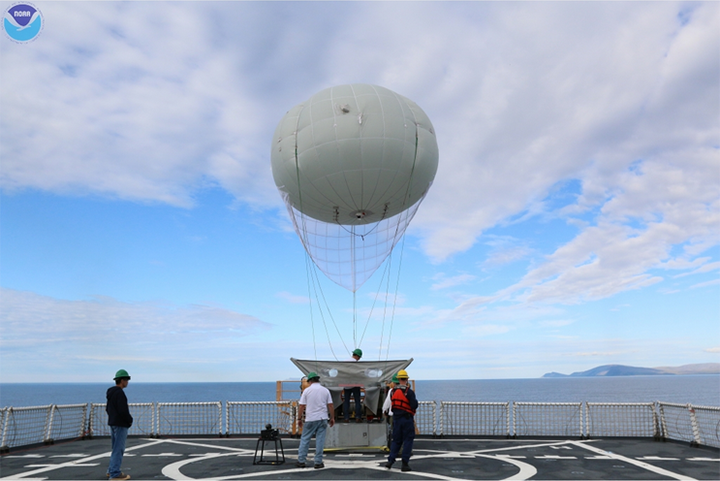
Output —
(372, 376)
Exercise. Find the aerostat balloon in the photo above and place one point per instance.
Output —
(353, 163)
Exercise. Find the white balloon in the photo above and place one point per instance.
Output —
(354, 154)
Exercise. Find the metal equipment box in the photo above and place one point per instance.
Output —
(357, 435)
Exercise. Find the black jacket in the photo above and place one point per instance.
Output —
(117, 408)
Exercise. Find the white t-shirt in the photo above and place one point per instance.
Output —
(316, 398)
(387, 405)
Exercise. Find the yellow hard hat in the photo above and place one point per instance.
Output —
(402, 374)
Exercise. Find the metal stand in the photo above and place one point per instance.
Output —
(269, 434)
(279, 454)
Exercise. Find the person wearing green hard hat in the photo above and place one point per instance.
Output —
(353, 391)
(387, 405)
(119, 420)
(315, 412)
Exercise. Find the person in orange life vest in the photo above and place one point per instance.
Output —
(404, 404)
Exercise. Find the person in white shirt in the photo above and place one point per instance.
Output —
(317, 406)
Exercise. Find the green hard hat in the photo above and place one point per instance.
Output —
(312, 375)
(120, 374)
(357, 352)
(395, 379)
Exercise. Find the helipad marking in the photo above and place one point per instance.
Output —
(75, 455)
(29, 456)
(161, 455)
(657, 458)
(64, 465)
(649, 467)
(555, 456)
(172, 470)
(703, 459)
(71, 464)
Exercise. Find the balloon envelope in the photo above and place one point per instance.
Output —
(354, 154)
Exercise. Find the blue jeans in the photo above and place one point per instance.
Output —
(403, 434)
(355, 391)
(118, 435)
(317, 429)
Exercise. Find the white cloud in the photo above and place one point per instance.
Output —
(556, 323)
(713, 349)
(38, 329)
(714, 282)
(446, 282)
(709, 267)
(292, 298)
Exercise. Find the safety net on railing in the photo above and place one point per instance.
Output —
(547, 419)
(68, 422)
(695, 424)
(675, 421)
(252, 417)
(708, 422)
(26, 425)
(426, 418)
(621, 420)
(143, 419)
(181, 419)
(474, 419)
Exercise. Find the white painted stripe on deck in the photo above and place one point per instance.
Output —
(703, 459)
(657, 458)
(555, 456)
(635, 462)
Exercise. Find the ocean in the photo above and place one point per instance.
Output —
(700, 390)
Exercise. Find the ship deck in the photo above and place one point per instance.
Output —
(448, 459)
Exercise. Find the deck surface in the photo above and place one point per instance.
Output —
(448, 459)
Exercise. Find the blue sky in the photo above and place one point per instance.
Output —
(573, 222)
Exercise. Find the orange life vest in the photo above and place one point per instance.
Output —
(400, 401)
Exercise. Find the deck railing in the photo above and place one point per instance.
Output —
(698, 425)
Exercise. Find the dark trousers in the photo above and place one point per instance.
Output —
(355, 392)
(403, 434)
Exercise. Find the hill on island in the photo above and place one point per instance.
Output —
(621, 370)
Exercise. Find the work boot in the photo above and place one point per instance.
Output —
(122, 476)
(299, 465)
(320, 466)
(388, 464)
(405, 467)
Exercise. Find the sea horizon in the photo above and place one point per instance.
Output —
(697, 389)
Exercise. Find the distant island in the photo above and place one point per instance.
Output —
(620, 370)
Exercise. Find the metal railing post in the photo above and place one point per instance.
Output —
(220, 419)
(695, 430)
(48, 424)
(441, 423)
(3, 444)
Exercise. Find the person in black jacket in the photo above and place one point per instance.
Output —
(119, 420)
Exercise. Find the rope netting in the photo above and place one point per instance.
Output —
(349, 254)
